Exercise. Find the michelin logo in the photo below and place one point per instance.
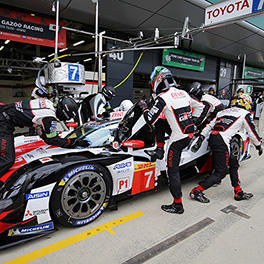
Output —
(38, 195)
(31, 229)
(75, 171)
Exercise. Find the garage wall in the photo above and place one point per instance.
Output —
(7, 94)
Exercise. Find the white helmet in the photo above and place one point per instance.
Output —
(125, 105)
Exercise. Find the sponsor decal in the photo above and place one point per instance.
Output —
(116, 115)
(75, 171)
(91, 218)
(149, 116)
(38, 195)
(36, 212)
(123, 165)
(185, 116)
(42, 103)
(143, 166)
(176, 95)
(19, 106)
(154, 110)
(53, 127)
(45, 160)
(31, 229)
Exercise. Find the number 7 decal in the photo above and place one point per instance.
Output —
(149, 174)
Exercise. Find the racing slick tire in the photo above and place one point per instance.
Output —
(81, 195)
(235, 147)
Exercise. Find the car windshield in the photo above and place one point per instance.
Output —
(97, 134)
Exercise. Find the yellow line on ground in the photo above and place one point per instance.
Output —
(74, 239)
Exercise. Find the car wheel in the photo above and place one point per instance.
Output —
(81, 195)
(235, 148)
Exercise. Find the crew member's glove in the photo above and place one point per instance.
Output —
(81, 143)
(259, 149)
(198, 144)
(143, 105)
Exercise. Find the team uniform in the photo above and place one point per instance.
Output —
(175, 104)
(96, 105)
(212, 106)
(226, 124)
(38, 113)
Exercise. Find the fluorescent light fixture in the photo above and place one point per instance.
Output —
(52, 54)
(7, 41)
(78, 43)
(1, 47)
(63, 50)
(89, 59)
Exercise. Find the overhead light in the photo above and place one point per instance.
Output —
(7, 41)
(63, 50)
(32, 14)
(1, 47)
(78, 43)
(52, 54)
(89, 59)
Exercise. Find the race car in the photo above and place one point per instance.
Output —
(74, 186)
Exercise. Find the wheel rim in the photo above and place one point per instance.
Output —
(83, 194)
(235, 150)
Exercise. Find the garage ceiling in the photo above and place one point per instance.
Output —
(131, 16)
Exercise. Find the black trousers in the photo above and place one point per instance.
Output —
(221, 160)
(161, 127)
(7, 150)
(173, 161)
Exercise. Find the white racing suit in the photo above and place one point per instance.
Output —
(39, 113)
(94, 105)
(212, 106)
(175, 104)
(225, 125)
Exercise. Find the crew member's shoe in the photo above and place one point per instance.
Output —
(158, 153)
(239, 196)
(199, 196)
(174, 208)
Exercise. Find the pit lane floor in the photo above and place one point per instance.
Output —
(203, 234)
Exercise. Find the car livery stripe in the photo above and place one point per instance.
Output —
(74, 239)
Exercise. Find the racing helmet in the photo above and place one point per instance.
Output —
(159, 79)
(125, 105)
(242, 100)
(195, 89)
(41, 85)
(108, 92)
(67, 108)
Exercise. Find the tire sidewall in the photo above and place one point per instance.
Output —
(56, 207)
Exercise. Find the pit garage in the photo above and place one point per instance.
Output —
(97, 195)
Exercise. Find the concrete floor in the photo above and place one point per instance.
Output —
(229, 238)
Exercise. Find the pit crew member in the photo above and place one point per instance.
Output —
(38, 113)
(97, 104)
(212, 105)
(175, 105)
(225, 125)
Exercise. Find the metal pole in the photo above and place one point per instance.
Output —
(244, 65)
(96, 28)
(100, 61)
(57, 28)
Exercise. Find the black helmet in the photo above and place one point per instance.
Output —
(108, 92)
(195, 90)
(67, 108)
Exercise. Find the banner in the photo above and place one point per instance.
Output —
(225, 11)
(25, 28)
(183, 59)
(253, 73)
